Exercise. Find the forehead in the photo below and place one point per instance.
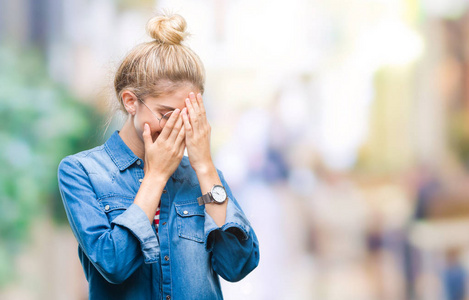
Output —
(174, 98)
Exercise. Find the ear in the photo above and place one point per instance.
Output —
(130, 102)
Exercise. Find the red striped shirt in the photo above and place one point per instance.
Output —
(156, 219)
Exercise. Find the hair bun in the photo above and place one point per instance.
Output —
(168, 29)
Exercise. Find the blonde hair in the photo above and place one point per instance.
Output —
(159, 67)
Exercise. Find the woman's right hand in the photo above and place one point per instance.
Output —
(162, 156)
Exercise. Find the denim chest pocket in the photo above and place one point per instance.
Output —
(115, 205)
(190, 220)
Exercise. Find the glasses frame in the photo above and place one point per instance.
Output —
(156, 116)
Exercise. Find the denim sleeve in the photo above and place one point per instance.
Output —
(234, 245)
(117, 249)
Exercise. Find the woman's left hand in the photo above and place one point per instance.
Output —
(197, 133)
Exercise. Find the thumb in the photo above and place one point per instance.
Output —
(147, 141)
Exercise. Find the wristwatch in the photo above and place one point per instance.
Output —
(216, 195)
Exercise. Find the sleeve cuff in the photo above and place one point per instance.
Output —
(235, 223)
(135, 219)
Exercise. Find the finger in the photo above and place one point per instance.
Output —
(180, 138)
(170, 124)
(191, 112)
(200, 101)
(185, 118)
(182, 148)
(147, 140)
(194, 102)
(177, 127)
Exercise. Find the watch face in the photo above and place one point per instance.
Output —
(218, 193)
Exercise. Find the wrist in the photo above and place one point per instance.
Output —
(205, 168)
(155, 178)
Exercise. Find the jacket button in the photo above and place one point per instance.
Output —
(166, 257)
(106, 207)
(140, 180)
(164, 191)
(139, 162)
(168, 297)
(185, 212)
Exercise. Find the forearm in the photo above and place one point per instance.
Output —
(234, 245)
(149, 194)
(114, 248)
(208, 177)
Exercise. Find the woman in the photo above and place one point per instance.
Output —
(150, 222)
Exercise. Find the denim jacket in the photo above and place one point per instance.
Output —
(122, 253)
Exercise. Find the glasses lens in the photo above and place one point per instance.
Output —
(165, 118)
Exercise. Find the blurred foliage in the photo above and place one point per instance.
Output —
(124, 5)
(41, 122)
(459, 135)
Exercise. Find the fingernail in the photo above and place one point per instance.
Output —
(191, 93)
(187, 100)
(145, 126)
(177, 110)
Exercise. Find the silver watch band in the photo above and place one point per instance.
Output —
(205, 199)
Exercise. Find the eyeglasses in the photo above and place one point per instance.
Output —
(161, 121)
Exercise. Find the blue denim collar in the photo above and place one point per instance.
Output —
(119, 152)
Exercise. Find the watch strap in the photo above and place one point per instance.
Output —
(205, 199)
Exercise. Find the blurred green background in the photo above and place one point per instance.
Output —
(42, 122)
